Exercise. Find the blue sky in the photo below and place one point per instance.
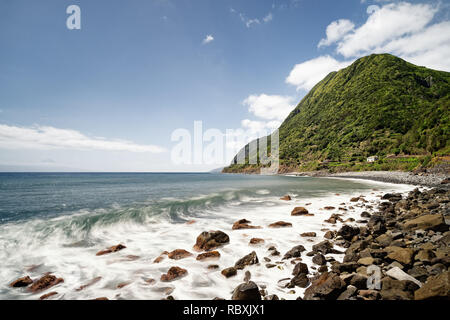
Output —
(107, 97)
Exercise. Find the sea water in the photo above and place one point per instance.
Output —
(57, 222)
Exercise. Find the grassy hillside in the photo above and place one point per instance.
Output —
(380, 105)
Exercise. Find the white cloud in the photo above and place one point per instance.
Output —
(436, 58)
(386, 24)
(430, 47)
(248, 22)
(209, 38)
(307, 74)
(256, 127)
(268, 18)
(271, 111)
(44, 137)
(253, 21)
(336, 31)
(402, 29)
(269, 107)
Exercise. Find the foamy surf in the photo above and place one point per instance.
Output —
(67, 248)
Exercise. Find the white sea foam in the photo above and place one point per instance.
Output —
(31, 244)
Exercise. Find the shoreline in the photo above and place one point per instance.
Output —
(396, 177)
(324, 254)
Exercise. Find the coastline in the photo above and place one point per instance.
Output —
(316, 241)
(396, 177)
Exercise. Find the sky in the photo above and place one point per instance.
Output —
(110, 95)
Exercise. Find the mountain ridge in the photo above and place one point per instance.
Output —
(378, 106)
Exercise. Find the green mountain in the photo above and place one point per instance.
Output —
(379, 106)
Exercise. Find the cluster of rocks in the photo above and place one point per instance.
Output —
(400, 250)
(401, 253)
(41, 284)
(429, 179)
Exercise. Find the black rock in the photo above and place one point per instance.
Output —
(295, 252)
(327, 287)
(300, 268)
(300, 280)
(246, 291)
(249, 259)
(319, 259)
(323, 247)
(348, 232)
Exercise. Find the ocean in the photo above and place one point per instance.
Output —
(56, 222)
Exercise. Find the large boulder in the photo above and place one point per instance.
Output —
(179, 254)
(425, 255)
(397, 289)
(210, 240)
(229, 272)
(174, 273)
(327, 287)
(347, 232)
(21, 282)
(301, 280)
(299, 211)
(208, 255)
(295, 252)
(323, 247)
(246, 291)
(319, 259)
(45, 282)
(247, 260)
(392, 197)
(402, 255)
(366, 261)
(243, 224)
(433, 222)
(436, 287)
(300, 268)
(384, 240)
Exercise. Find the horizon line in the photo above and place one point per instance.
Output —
(166, 172)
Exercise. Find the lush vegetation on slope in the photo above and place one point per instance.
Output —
(380, 105)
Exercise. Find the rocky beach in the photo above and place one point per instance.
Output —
(432, 179)
(388, 243)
